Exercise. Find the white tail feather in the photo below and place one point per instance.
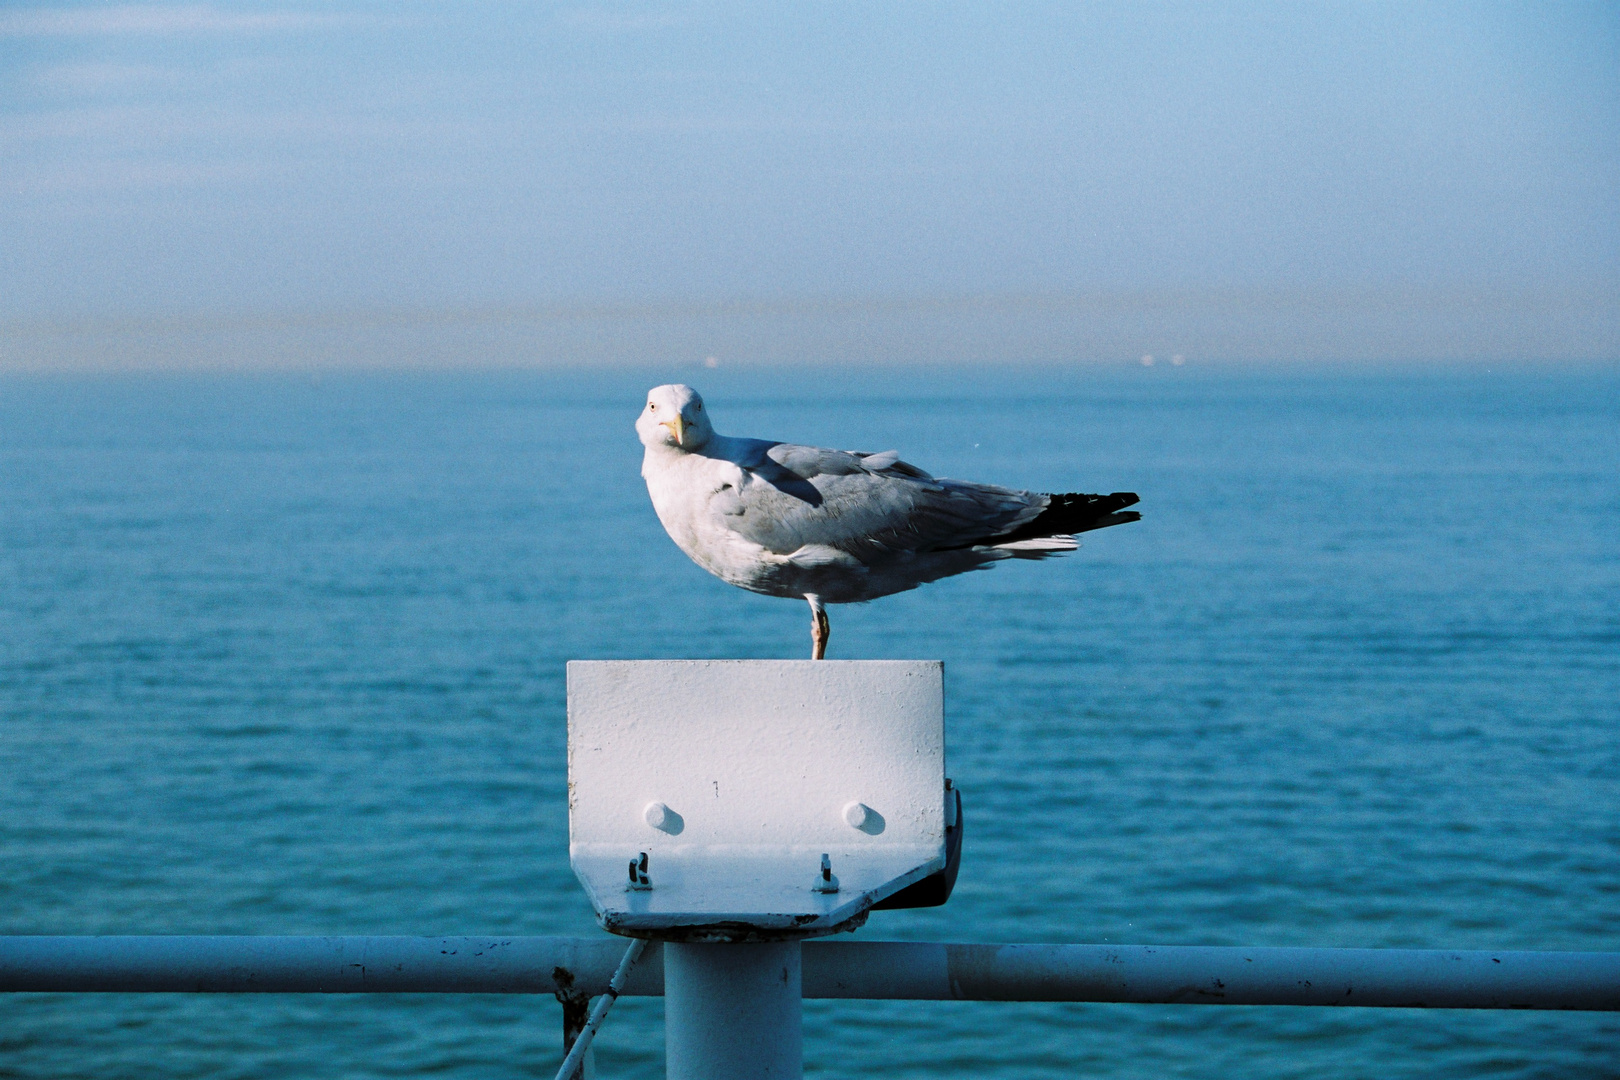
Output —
(1044, 543)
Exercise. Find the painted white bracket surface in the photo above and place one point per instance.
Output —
(735, 777)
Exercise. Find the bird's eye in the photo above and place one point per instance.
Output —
(651, 406)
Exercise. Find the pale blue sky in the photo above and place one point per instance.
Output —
(303, 183)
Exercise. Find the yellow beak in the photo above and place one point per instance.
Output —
(678, 427)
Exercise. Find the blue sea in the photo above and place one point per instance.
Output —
(285, 655)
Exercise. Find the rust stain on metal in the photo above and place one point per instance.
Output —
(576, 1005)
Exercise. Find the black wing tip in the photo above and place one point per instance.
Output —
(1067, 514)
(1072, 512)
(1117, 518)
(1103, 504)
(1079, 504)
(1098, 511)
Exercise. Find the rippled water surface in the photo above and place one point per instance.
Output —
(286, 656)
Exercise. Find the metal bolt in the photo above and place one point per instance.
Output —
(656, 814)
(638, 874)
(826, 883)
(857, 814)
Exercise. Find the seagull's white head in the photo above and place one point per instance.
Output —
(674, 416)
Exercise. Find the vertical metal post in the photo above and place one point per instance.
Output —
(733, 1012)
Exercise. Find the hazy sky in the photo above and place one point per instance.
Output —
(446, 183)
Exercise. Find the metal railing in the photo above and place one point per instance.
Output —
(575, 968)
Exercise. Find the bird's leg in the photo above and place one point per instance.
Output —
(820, 628)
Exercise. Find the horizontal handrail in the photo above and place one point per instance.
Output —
(1162, 974)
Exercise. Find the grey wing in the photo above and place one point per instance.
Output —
(866, 505)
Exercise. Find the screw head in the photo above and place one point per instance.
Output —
(857, 814)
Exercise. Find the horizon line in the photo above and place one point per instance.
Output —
(1593, 297)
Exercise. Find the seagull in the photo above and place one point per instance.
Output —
(838, 526)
